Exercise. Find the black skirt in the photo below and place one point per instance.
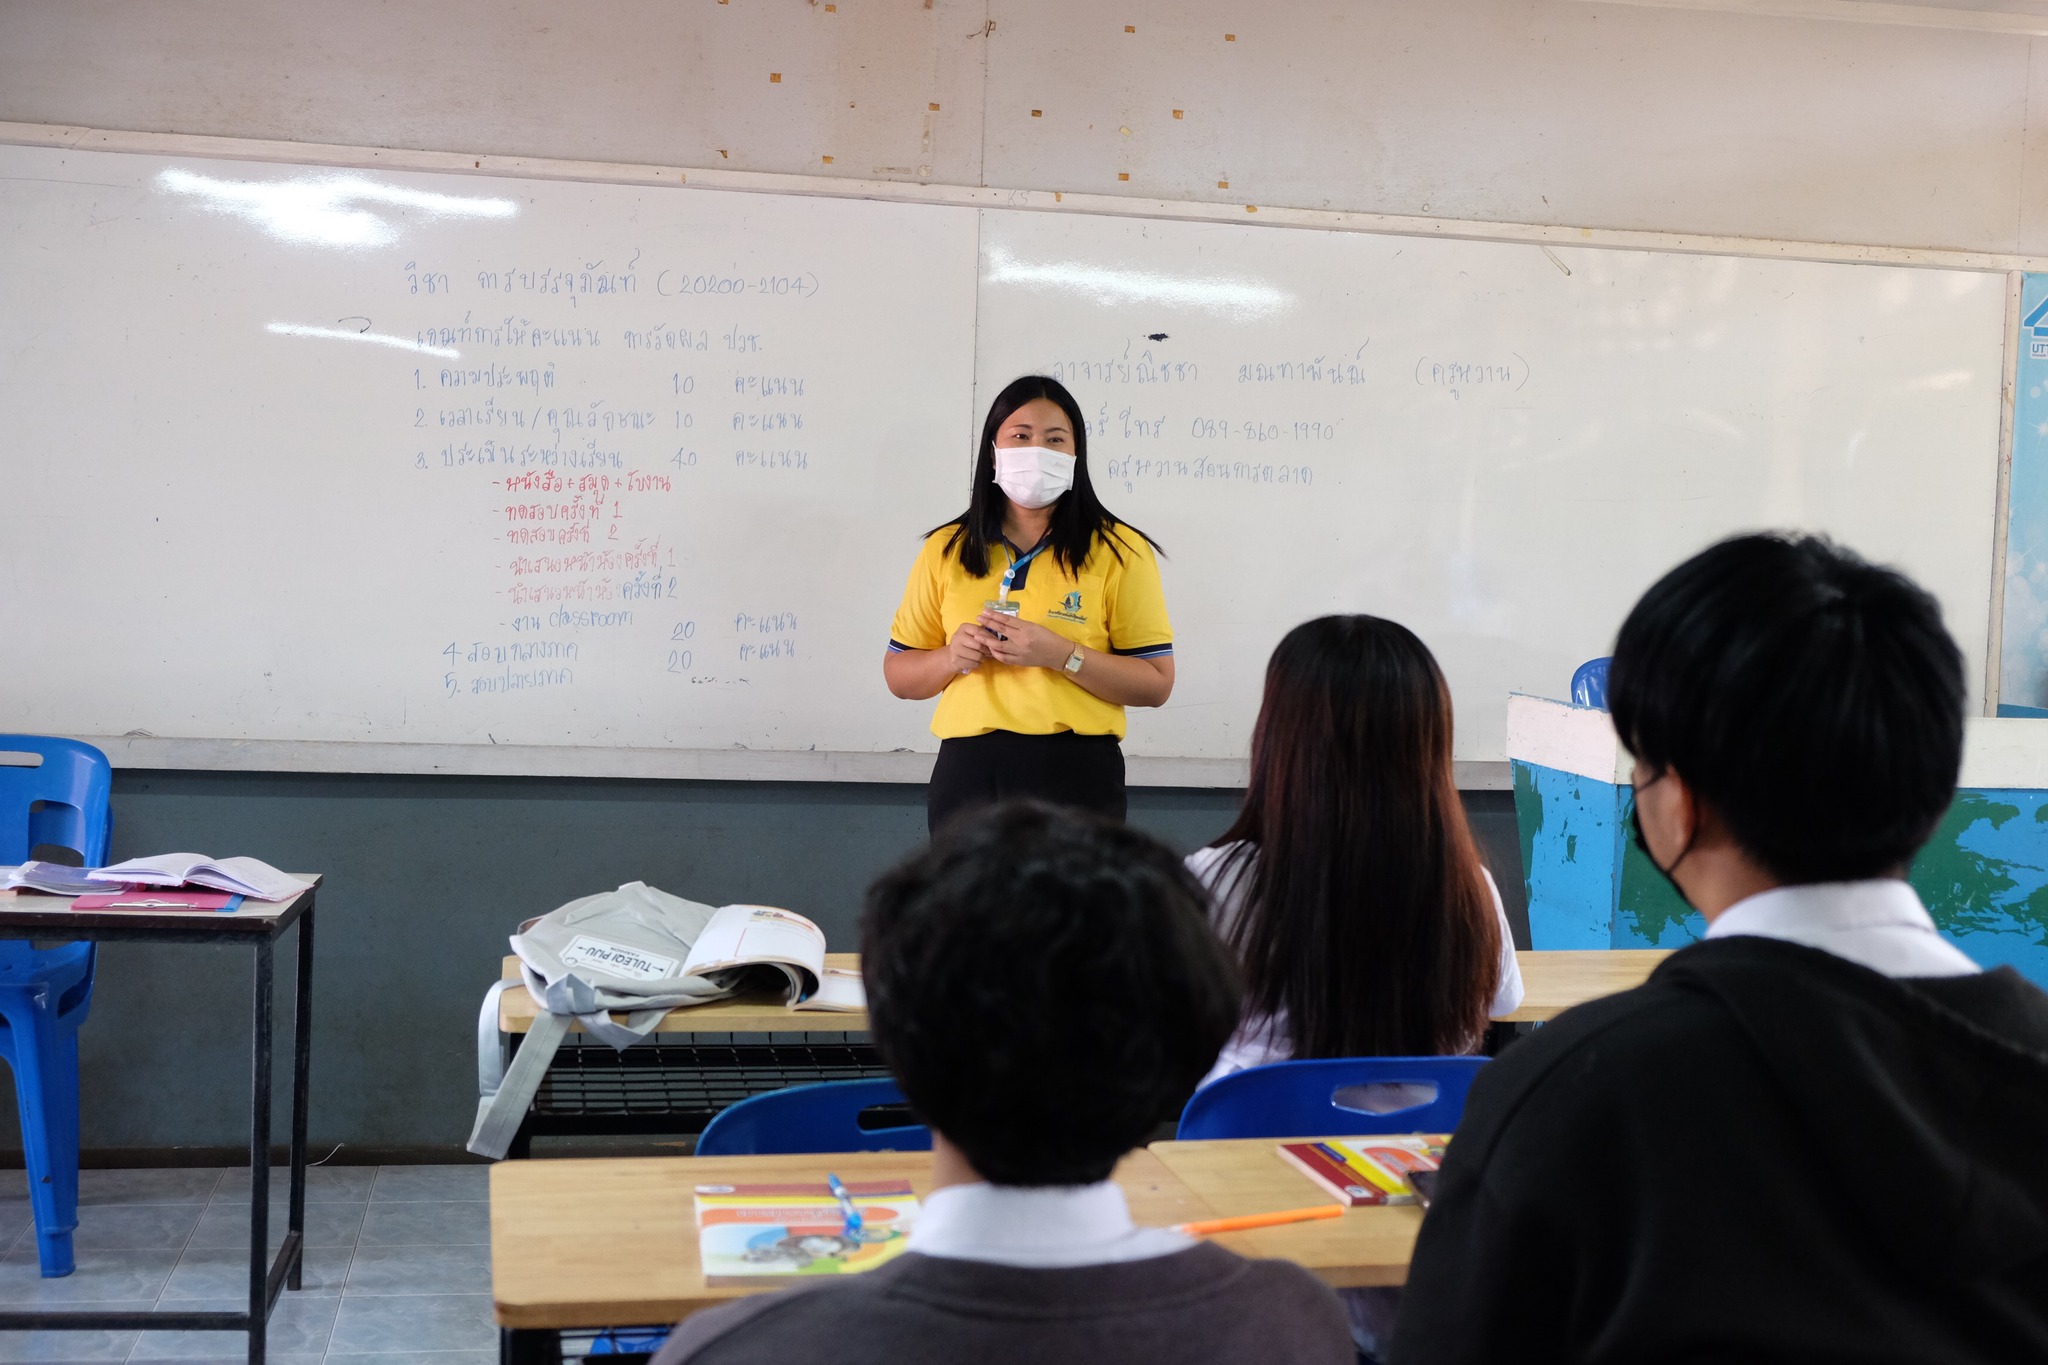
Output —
(1083, 771)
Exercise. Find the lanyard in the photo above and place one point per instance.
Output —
(1016, 563)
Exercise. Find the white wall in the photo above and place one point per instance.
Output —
(1547, 111)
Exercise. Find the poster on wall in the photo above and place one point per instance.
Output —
(2023, 665)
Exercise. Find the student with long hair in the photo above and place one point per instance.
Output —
(1035, 617)
(1350, 885)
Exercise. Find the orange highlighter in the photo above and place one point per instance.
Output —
(1246, 1222)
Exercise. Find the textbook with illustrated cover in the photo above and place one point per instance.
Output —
(1367, 1170)
(755, 1234)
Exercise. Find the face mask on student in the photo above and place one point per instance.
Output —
(1034, 476)
(1635, 825)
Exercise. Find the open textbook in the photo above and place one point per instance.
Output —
(742, 937)
(736, 942)
(52, 879)
(838, 989)
(249, 877)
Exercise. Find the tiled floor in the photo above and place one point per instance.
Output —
(397, 1268)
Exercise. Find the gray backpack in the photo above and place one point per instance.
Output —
(620, 950)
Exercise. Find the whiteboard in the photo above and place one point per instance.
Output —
(1499, 445)
(420, 471)
(325, 456)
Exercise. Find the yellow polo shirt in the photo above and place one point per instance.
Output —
(1112, 605)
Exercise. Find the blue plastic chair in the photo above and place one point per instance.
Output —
(45, 993)
(628, 1341)
(1589, 684)
(811, 1118)
(1302, 1099)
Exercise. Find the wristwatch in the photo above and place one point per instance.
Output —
(1074, 660)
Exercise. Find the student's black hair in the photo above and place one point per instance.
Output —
(1078, 518)
(1812, 699)
(1363, 911)
(1046, 989)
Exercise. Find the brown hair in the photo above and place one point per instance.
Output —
(1364, 913)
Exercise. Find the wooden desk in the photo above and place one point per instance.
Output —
(1367, 1246)
(613, 1243)
(1555, 980)
(29, 914)
(651, 1090)
(755, 1012)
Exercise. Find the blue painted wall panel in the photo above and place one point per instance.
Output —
(1983, 875)
(1569, 833)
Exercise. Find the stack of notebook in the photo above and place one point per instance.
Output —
(1370, 1170)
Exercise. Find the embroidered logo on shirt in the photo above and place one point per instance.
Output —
(1069, 609)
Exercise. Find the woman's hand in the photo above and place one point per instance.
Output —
(1023, 644)
(969, 646)
(915, 674)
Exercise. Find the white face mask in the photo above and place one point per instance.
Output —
(1034, 476)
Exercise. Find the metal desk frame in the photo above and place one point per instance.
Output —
(23, 919)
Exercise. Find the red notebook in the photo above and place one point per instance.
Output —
(1345, 1186)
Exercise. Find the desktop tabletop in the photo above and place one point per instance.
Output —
(1367, 1246)
(24, 915)
(613, 1241)
(1553, 981)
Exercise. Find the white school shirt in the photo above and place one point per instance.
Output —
(1037, 1227)
(1879, 924)
(1263, 1038)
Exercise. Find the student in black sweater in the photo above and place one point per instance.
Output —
(1822, 1133)
(1045, 987)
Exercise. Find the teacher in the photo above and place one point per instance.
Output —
(1035, 617)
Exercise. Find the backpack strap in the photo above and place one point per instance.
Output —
(498, 1114)
(490, 1045)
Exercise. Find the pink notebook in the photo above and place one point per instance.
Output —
(159, 900)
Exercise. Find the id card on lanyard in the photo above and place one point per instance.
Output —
(1002, 602)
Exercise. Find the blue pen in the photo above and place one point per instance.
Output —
(846, 1208)
(855, 1232)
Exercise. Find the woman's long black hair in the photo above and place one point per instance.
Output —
(1077, 518)
(1363, 911)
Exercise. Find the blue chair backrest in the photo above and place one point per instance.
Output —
(812, 1118)
(1589, 684)
(628, 1341)
(73, 784)
(1322, 1098)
